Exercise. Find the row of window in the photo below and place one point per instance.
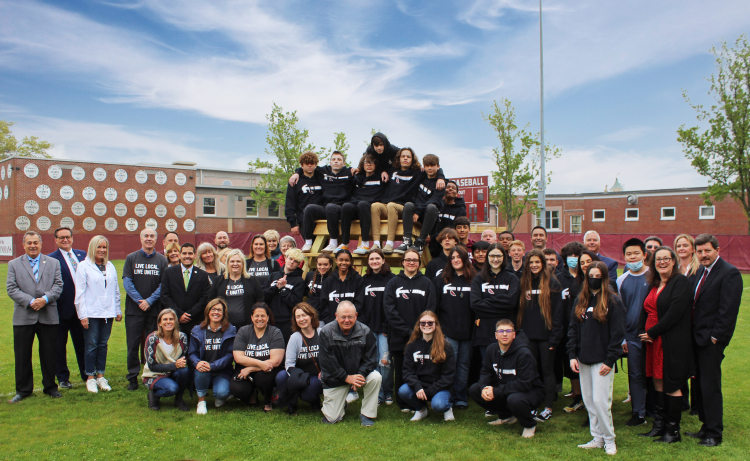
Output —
(668, 213)
(251, 208)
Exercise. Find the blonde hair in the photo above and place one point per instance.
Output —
(171, 246)
(93, 245)
(295, 254)
(224, 252)
(236, 252)
(203, 248)
(694, 264)
(516, 242)
(272, 234)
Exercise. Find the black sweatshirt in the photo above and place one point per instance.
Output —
(334, 290)
(421, 373)
(511, 372)
(533, 324)
(372, 313)
(405, 299)
(314, 285)
(307, 191)
(389, 152)
(449, 213)
(436, 267)
(492, 302)
(368, 189)
(283, 301)
(428, 194)
(337, 187)
(402, 185)
(454, 307)
(593, 342)
(567, 282)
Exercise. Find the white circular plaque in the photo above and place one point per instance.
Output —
(121, 210)
(89, 224)
(171, 225)
(2, 173)
(67, 222)
(180, 179)
(78, 208)
(31, 171)
(141, 176)
(131, 224)
(140, 210)
(188, 197)
(23, 223)
(5, 192)
(180, 211)
(43, 223)
(151, 196)
(55, 208)
(131, 195)
(160, 177)
(121, 175)
(10, 171)
(42, 191)
(151, 223)
(66, 192)
(78, 173)
(110, 194)
(170, 196)
(110, 224)
(100, 174)
(89, 193)
(54, 172)
(100, 209)
(31, 207)
(188, 225)
(161, 211)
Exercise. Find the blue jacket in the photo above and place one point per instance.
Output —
(66, 307)
(196, 351)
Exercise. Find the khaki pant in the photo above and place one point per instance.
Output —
(335, 398)
(378, 211)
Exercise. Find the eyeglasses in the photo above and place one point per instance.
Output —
(65, 237)
(411, 261)
(495, 256)
(218, 309)
(427, 324)
(663, 260)
(505, 332)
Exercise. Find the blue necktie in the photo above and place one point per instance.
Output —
(73, 262)
(35, 269)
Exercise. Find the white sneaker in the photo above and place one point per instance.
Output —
(595, 443)
(219, 403)
(504, 422)
(329, 249)
(340, 247)
(202, 408)
(421, 414)
(103, 384)
(610, 448)
(375, 245)
(487, 414)
(351, 397)
(528, 432)
(406, 410)
(448, 415)
(91, 386)
(307, 247)
(361, 250)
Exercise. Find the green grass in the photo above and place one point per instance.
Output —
(118, 425)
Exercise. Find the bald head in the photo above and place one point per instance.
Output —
(346, 316)
(221, 240)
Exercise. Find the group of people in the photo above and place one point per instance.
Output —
(485, 320)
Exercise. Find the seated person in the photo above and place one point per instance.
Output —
(369, 188)
(424, 207)
(509, 384)
(453, 207)
(463, 228)
(165, 372)
(382, 150)
(305, 191)
(448, 239)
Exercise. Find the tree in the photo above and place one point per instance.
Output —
(515, 183)
(29, 147)
(720, 152)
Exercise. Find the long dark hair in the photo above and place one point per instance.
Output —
(543, 298)
(487, 268)
(600, 310)
(330, 270)
(654, 278)
(224, 315)
(414, 160)
(264, 306)
(580, 275)
(437, 351)
(370, 159)
(469, 272)
(385, 269)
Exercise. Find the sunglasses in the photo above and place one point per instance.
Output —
(426, 324)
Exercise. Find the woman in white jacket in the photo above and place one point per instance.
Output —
(97, 303)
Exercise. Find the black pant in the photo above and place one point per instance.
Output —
(519, 404)
(545, 362)
(286, 330)
(72, 325)
(331, 213)
(350, 212)
(397, 359)
(428, 218)
(136, 326)
(262, 381)
(708, 359)
(23, 342)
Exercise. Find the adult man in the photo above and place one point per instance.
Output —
(221, 240)
(448, 239)
(141, 278)
(504, 238)
(66, 309)
(592, 242)
(652, 243)
(34, 283)
(489, 236)
(509, 384)
(172, 237)
(185, 288)
(633, 288)
(348, 357)
(539, 242)
(717, 302)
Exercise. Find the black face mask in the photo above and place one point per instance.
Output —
(595, 284)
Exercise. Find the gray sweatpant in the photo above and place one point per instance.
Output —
(597, 396)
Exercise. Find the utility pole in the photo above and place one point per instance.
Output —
(542, 180)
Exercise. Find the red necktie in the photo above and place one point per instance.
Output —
(700, 285)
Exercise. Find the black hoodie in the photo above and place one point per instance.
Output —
(421, 373)
(368, 189)
(533, 324)
(449, 213)
(428, 194)
(511, 372)
(591, 341)
(436, 267)
(334, 290)
(405, 299)
(402, 185)
(307, 191)
(314, 285)
(337, 187)
(372, 313)
(389, 152)
(282, 301)
(454, 307)
(566, 281)
(492, 302)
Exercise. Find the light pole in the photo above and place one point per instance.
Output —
(542, 183)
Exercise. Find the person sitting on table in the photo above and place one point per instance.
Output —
(165, 372)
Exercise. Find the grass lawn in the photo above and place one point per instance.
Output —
(118, 425)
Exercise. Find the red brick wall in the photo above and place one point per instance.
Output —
(207, 225)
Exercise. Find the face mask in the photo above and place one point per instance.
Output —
(595, 284)
(634, 267)
(572, 262)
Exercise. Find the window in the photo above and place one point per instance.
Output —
(553, 219)
(706, 212)
(631, 214)
(273, 209)
(575, 224)
(668, 213)
(209, 206)
(598, 216)
(480, 195)
(226, 183)
(251, 207)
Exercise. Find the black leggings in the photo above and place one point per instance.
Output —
(331, 213)
(397, 357)
(429, 218)
(262, 381)
(352, 211)
(545, 360)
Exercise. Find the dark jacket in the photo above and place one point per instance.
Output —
(567, 282)
(449, 213)
(223, 366)
(593, 342)
(253, 294)
(389, 152)
(352, 288)
(454, 307)
(428, 194)
(192, 300)
(313, 286)
(533, 324)
(282, 301)
(512, 372)
(405, 299)
(66, 308)
(337, 187)
(718, 303)
(492, 302)
(611, 266)
(368, 189)
(343, 355)
(436, 267)
(373, 313)
(307, 191)
(421, 373)
(402, 185)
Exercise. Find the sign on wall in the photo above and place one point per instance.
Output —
(475, 191)
(6, 245)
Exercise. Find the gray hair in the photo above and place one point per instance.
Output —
(290, 239)
(344, 304)
(32, 233)
(590, 232)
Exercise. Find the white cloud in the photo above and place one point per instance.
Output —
(626, 134)
(484, 14)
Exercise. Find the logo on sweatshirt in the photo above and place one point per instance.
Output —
(447, 216)
(488, 287)
(396, 177)
(505, 371)
(400, 291)
(440, 271)
(306, 189)
(566, 293)
(333, 296)
(425, 189)
(371, 291)
(420, 357)
(453, 289)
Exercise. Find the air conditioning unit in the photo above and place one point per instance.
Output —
(240, 198)
(632, 199)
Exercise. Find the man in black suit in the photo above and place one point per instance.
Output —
(66, 308)
(716, 304)
(185, 288)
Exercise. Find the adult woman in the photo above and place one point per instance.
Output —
(284, 290)
(429, 370)
(372, 314)
(165, 372)
(665, 329)
(407, 295)
(258, 353)
(314, 279)
(344, 284)
(207, 258)
(210, 354)
(540, 318)
(494, 296)
(567, 278)
(453, 290)
(272, 239)
(223, 256)
(302, 357)
(286, 243)
(597, 330)
(261, 266)
(97, 303)
(237, 289)
(172, 252)
(684, 246)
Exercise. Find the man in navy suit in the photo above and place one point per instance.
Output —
(69, 322)
(593, 242)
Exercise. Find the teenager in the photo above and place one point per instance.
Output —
(569, 253)
(261, 265)
(272, 240)
(463, 228)
(345, 283)
(207, 258)
(284, 290)
(448, 239)
(453, 207)
(314, 279)
(504, 238)
(307, 190)
(479, 254)
(368, 188)
(165, 373)
(516, 253)
(237, 289)
(381, 149)
(424, 207)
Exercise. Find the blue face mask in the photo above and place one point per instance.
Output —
(634, 267)
(572, 262)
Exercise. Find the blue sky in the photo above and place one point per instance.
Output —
(159, 80)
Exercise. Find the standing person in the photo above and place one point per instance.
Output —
(172, 252)
(489, 236)
(69, 260)
(314, 279)
(306, 191)
(684, 246)
(453, 289)
(185, 289)
(284, 290)
(286, 243)
(97, 303)
(652, 243)
(141, 278)
(567, 278)
(34, 283)
(407, 295)
(210, 354)
(664, 327)
(429, 369)
(207, 258)
(592, 242)
(261, 265)
(479, 254)
(516, 253)
(633, 287)
(504, 238)
(170, 237)
(718, 292)
(221, 240)
(165, 373)
(272, 240)
(238, 290)
(448, 239)
(539, 241)
(540, 318)
(368, 188)
(382, 149)
(597, 331)
(463, 228)
(423, 207)
(344, 284)
(348, 357)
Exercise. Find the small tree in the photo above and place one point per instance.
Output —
(721, 151)
(515, 183)
(29, 147)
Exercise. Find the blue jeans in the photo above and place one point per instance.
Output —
(204, 379)
(174, 384)
(635, 377)
(441, 402)
(95, 339)
(462, 349)
(310, 394)
(386, 387)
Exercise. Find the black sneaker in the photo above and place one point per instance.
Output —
(635, 420)
(133, 386)
(419, 245)
(405, 244)
(543, 415)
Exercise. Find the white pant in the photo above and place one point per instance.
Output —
(335, 398)
(597, 396)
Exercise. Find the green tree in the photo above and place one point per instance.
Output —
(720, 151)
(31, 146)
(515, 183)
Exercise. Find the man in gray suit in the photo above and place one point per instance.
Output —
(34, 284)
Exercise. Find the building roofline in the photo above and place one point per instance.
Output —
(624, 194)
(66, 160)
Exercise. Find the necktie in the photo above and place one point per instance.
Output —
(73, 261)
(186, 277)
(35, 269)
(700, 285)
